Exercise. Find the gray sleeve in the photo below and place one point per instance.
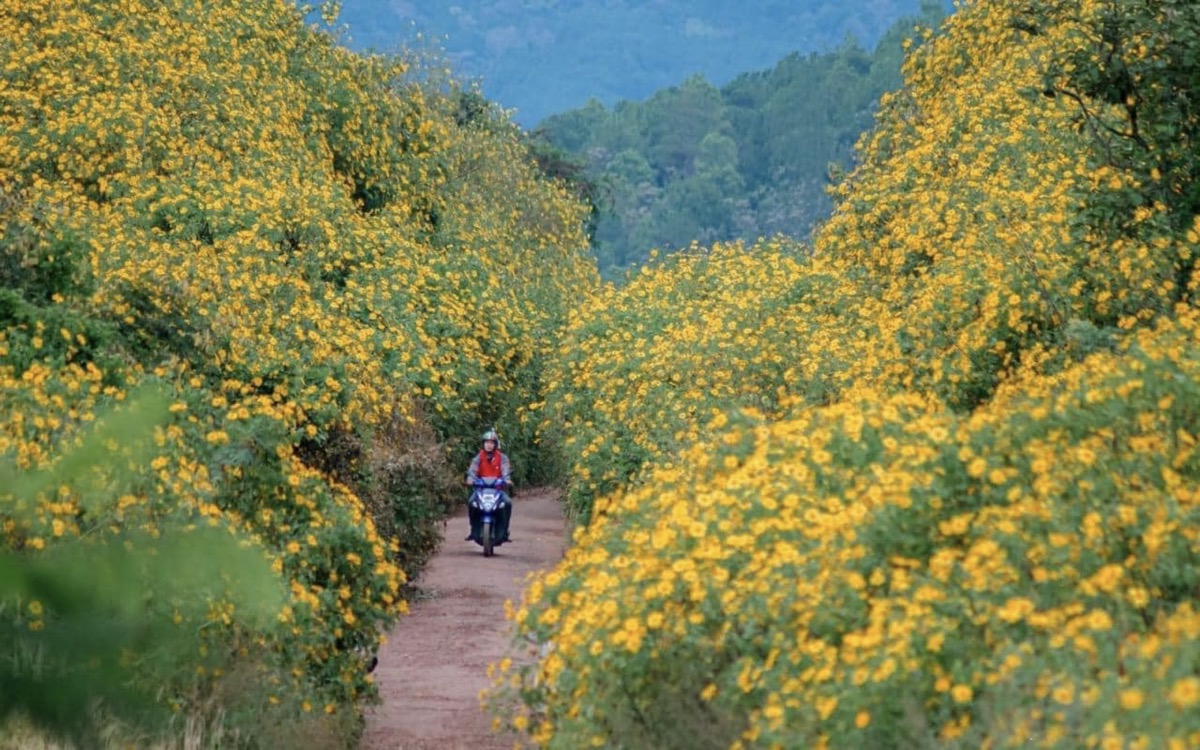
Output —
(473, 472)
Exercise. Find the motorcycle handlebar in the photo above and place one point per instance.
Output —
(488, 483)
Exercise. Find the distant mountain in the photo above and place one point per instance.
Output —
(750, 159)
(542, 57)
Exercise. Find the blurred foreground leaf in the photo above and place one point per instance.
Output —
(103, 623)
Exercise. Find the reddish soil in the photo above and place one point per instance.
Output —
(434, 664)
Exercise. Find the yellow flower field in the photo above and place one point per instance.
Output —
(931, 482)
(326, 266)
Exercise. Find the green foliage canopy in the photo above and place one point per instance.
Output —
(751, 159)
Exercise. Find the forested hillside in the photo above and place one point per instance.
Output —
(544, 57)
(753, 158)
(935, 483)
(318, 277)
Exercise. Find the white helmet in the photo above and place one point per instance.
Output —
(491, 435)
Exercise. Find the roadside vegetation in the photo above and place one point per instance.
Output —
(930, 482)
(330, 270)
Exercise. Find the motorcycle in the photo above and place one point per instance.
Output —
(491, 508)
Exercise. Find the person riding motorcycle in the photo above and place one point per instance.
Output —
(490, 463)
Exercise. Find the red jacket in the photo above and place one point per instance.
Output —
(494, 466)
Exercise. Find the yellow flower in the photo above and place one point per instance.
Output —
(1099, 620)
(1138, 596)
(1131, 699)
(1185, 693)
(826, 706)
(1016, 609)
(977, 467)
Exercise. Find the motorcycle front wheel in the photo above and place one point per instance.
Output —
(486, 535)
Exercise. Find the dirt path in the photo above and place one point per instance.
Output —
(435, 662)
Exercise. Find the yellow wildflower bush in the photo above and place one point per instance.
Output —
(885, 572)
(996, 205)
(644, 366)
(317, 255)
(960, 508)
(505, 260)
(228, 462)
(82, 615)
